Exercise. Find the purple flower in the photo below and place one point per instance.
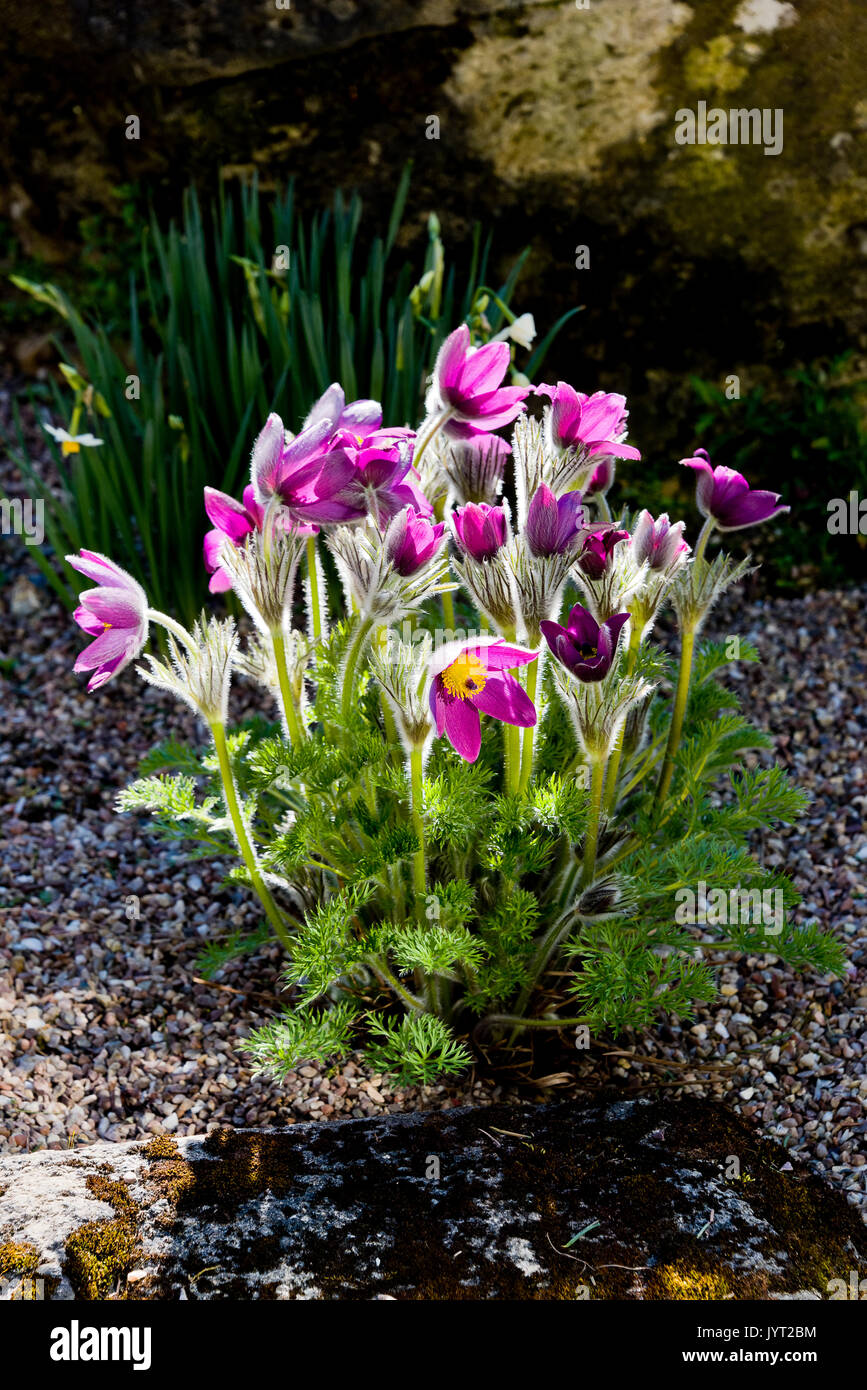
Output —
(603, 477)
(594, 423)
(481, 530)
(234, 521)
(473, 679)
(305, 473)
(553, 525)
(726, 498)
(411, 540)
(360, 417)
(466, 382)
(115, 613)
(596, 556)
(583, 646)
(383, 480)
(658, 542)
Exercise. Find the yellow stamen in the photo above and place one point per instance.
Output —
(466, 676)
(70, 446)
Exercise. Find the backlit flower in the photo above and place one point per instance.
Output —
(115, 613)
(725, 497)
(411, 540)
(481, 530)
(466, 383)
(594, 424)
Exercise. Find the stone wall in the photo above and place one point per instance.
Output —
(556, 125)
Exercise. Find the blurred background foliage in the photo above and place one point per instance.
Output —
(241, 307)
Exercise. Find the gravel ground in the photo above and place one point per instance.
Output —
(105, 1032)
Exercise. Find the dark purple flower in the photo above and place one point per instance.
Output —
(583, 646)
(553, 525)
(594, 423)
(598, 550)
(726, 498)
(466, 382)
(481, 530)
(411, 540)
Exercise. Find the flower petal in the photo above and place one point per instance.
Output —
(505, 698)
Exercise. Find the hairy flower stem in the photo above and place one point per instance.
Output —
(687, 643)
(527, 741)
(448, 612)
(614, 763)
(428, 432)
(591, 836)
(352, 656)
(163, 619)
(294, 729)
(313, 581)
(419, 877)
(248, 854)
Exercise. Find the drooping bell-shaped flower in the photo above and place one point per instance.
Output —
(472, 679)
(115, 614)
(466, 384)
(726, 498)
(586, 648)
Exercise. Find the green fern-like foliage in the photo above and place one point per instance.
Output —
(507, 917)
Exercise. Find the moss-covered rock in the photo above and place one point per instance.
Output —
(629, 1200)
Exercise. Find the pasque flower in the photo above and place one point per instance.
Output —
(586, 648)
(474, 467)
(411, 540)
(481, 530)
(234, 521)
(595, 424)
(659, 542)
(115, 613)
(466, 384)
(553, 524)
(382, 481)
(473, 679)
(304, 474)
(726, 498)
(360, 417)
(598, 549)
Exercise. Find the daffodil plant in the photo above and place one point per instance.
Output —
(478, 791)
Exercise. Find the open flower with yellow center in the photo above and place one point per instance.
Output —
(473, 678)
(72, 443)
